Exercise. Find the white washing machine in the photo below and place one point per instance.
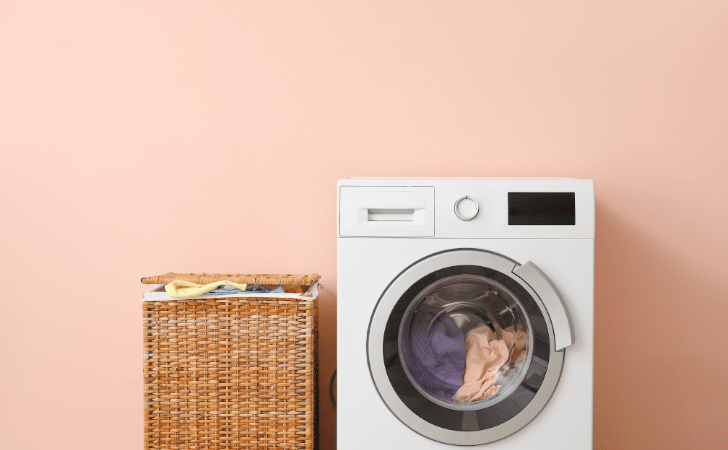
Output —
(465, 313)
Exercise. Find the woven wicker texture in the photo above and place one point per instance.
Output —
(230, 373)
(204, 278)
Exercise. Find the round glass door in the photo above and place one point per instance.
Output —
(459, 347)
(465, 342)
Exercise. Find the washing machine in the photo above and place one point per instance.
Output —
(465, 313)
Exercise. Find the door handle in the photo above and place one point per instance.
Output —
(550, 297)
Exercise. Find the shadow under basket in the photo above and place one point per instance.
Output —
(231, 371)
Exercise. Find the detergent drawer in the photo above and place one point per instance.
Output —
(383, 211)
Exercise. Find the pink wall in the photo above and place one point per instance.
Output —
(141, 137)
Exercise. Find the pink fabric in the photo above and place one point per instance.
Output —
(517, 342)
(485, 356)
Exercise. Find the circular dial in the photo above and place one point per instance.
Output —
(466, 208)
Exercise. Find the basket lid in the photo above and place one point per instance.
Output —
(205, 278)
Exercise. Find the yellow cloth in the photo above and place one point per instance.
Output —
(186, 289)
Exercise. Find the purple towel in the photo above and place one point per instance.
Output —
(434, 353)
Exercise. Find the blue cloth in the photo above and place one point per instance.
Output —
(257, 288)
(434, 353)
(226, 289)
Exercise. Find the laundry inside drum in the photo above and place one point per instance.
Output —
(465, 341)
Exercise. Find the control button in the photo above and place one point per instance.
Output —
(466, 208)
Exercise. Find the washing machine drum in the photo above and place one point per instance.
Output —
(466, 346)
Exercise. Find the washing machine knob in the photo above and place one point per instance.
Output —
(466, 208)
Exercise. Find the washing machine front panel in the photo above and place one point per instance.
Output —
(432, 302)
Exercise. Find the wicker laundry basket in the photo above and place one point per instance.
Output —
(230, 372)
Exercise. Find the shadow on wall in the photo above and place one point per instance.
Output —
(658, 334)
(327, 364)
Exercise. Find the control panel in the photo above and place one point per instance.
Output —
(457, 208)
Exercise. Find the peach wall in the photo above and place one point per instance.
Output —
(140, 137)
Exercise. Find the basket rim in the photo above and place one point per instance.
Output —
(205, 278)
(158, 294)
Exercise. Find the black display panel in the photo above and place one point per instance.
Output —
(541, 208)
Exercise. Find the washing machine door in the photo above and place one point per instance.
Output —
(466, 346)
